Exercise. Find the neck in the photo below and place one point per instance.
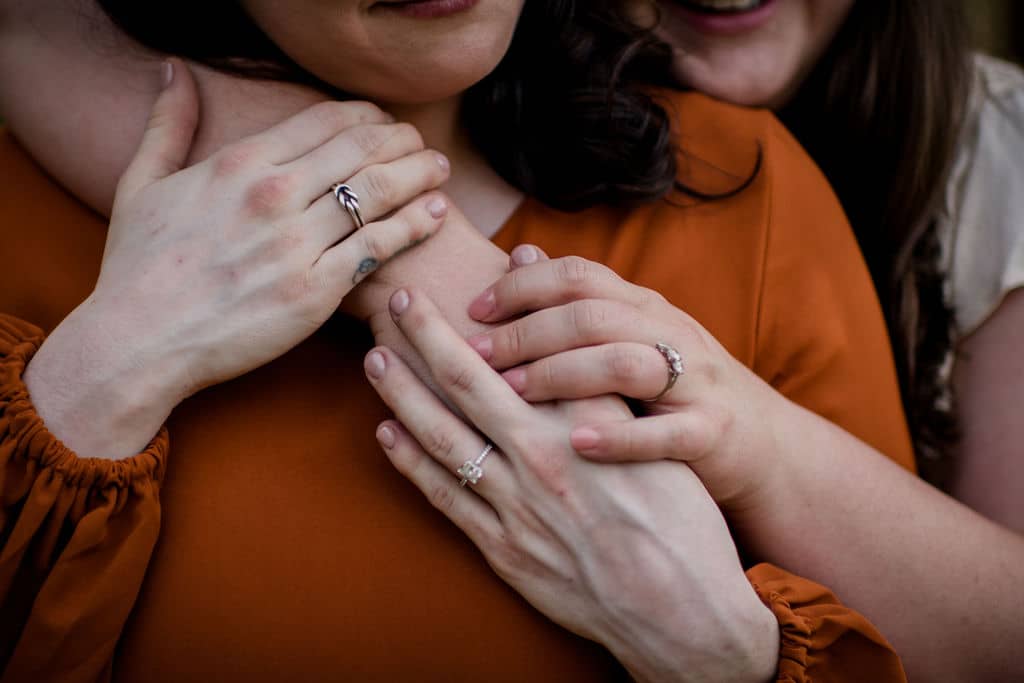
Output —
(482, 195)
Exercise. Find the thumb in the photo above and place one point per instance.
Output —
(169, 133)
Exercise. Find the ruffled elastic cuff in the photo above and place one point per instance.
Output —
(24, 436)
(794, 637)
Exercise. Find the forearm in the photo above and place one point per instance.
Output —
(941, 582)
(77, 94)
(450, 267)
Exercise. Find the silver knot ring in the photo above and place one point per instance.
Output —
(349, 201)
(675, 368)
(472, 470)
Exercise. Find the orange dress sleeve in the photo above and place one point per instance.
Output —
(76, 535)
(822, 640)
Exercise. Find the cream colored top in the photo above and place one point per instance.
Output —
(982, 229)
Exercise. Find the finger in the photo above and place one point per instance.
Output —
(169, 132)
(439, 432)
(473, 387)
(562, 328)
(524, 255)
(683, 436)
(362, 252)
(633, 370)
(550, 283)
(469, 512)
(383, 188)
(300, 134)
(353, 150)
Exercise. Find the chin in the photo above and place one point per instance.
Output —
(735, 83)
(425, 79)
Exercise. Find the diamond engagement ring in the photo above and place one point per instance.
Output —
(471, 470)
(349, 201)
(675, 368)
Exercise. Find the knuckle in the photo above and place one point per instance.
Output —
(549, 469)
(544, 373)
(624, 362)
(647, 296)
(515, 284)
(574, 271)
(378, 185)
(442, 497)
(294, 288)
(439, 443)
(368, 138)
(514, 339)
(409, 135)
(268, 196)
(413, 227)
(236, 158)
(338, 116)
(375, 247)
(502, 554)
(456, 378)
(283, 246)
(587, 317)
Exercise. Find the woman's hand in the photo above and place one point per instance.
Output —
(634, 556)
(588, 332)
(214, 270)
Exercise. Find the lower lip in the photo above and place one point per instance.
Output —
(430, 9)
(726, 24)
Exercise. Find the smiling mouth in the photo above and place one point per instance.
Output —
(425, 9)
(721, 6)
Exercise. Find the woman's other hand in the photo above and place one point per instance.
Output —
(635, 556)
(214, 270)
(586, 332)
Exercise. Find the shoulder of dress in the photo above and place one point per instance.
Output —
(718, 142)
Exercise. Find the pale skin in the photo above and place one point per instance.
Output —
(766, 492)
(65, 385)
(929, 617)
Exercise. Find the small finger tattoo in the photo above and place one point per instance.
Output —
(366, 266)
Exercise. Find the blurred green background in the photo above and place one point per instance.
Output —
(999, 27)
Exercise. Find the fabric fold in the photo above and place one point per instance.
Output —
(76, 534)
(820, 638)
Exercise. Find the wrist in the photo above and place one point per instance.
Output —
(769, 457)
(762, 647)
(94, 396)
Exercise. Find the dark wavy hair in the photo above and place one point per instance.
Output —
(881, 114)
(566, 116)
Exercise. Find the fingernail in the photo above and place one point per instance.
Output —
(375, 366)
(516, 379)
(386, 436)
(437, 207)
(483, 345)
(168, 73)
(443, 162)
(483, 305)
(584, 438)
(524, 255)
(399, 302)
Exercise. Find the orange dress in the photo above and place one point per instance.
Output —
(262, 536)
